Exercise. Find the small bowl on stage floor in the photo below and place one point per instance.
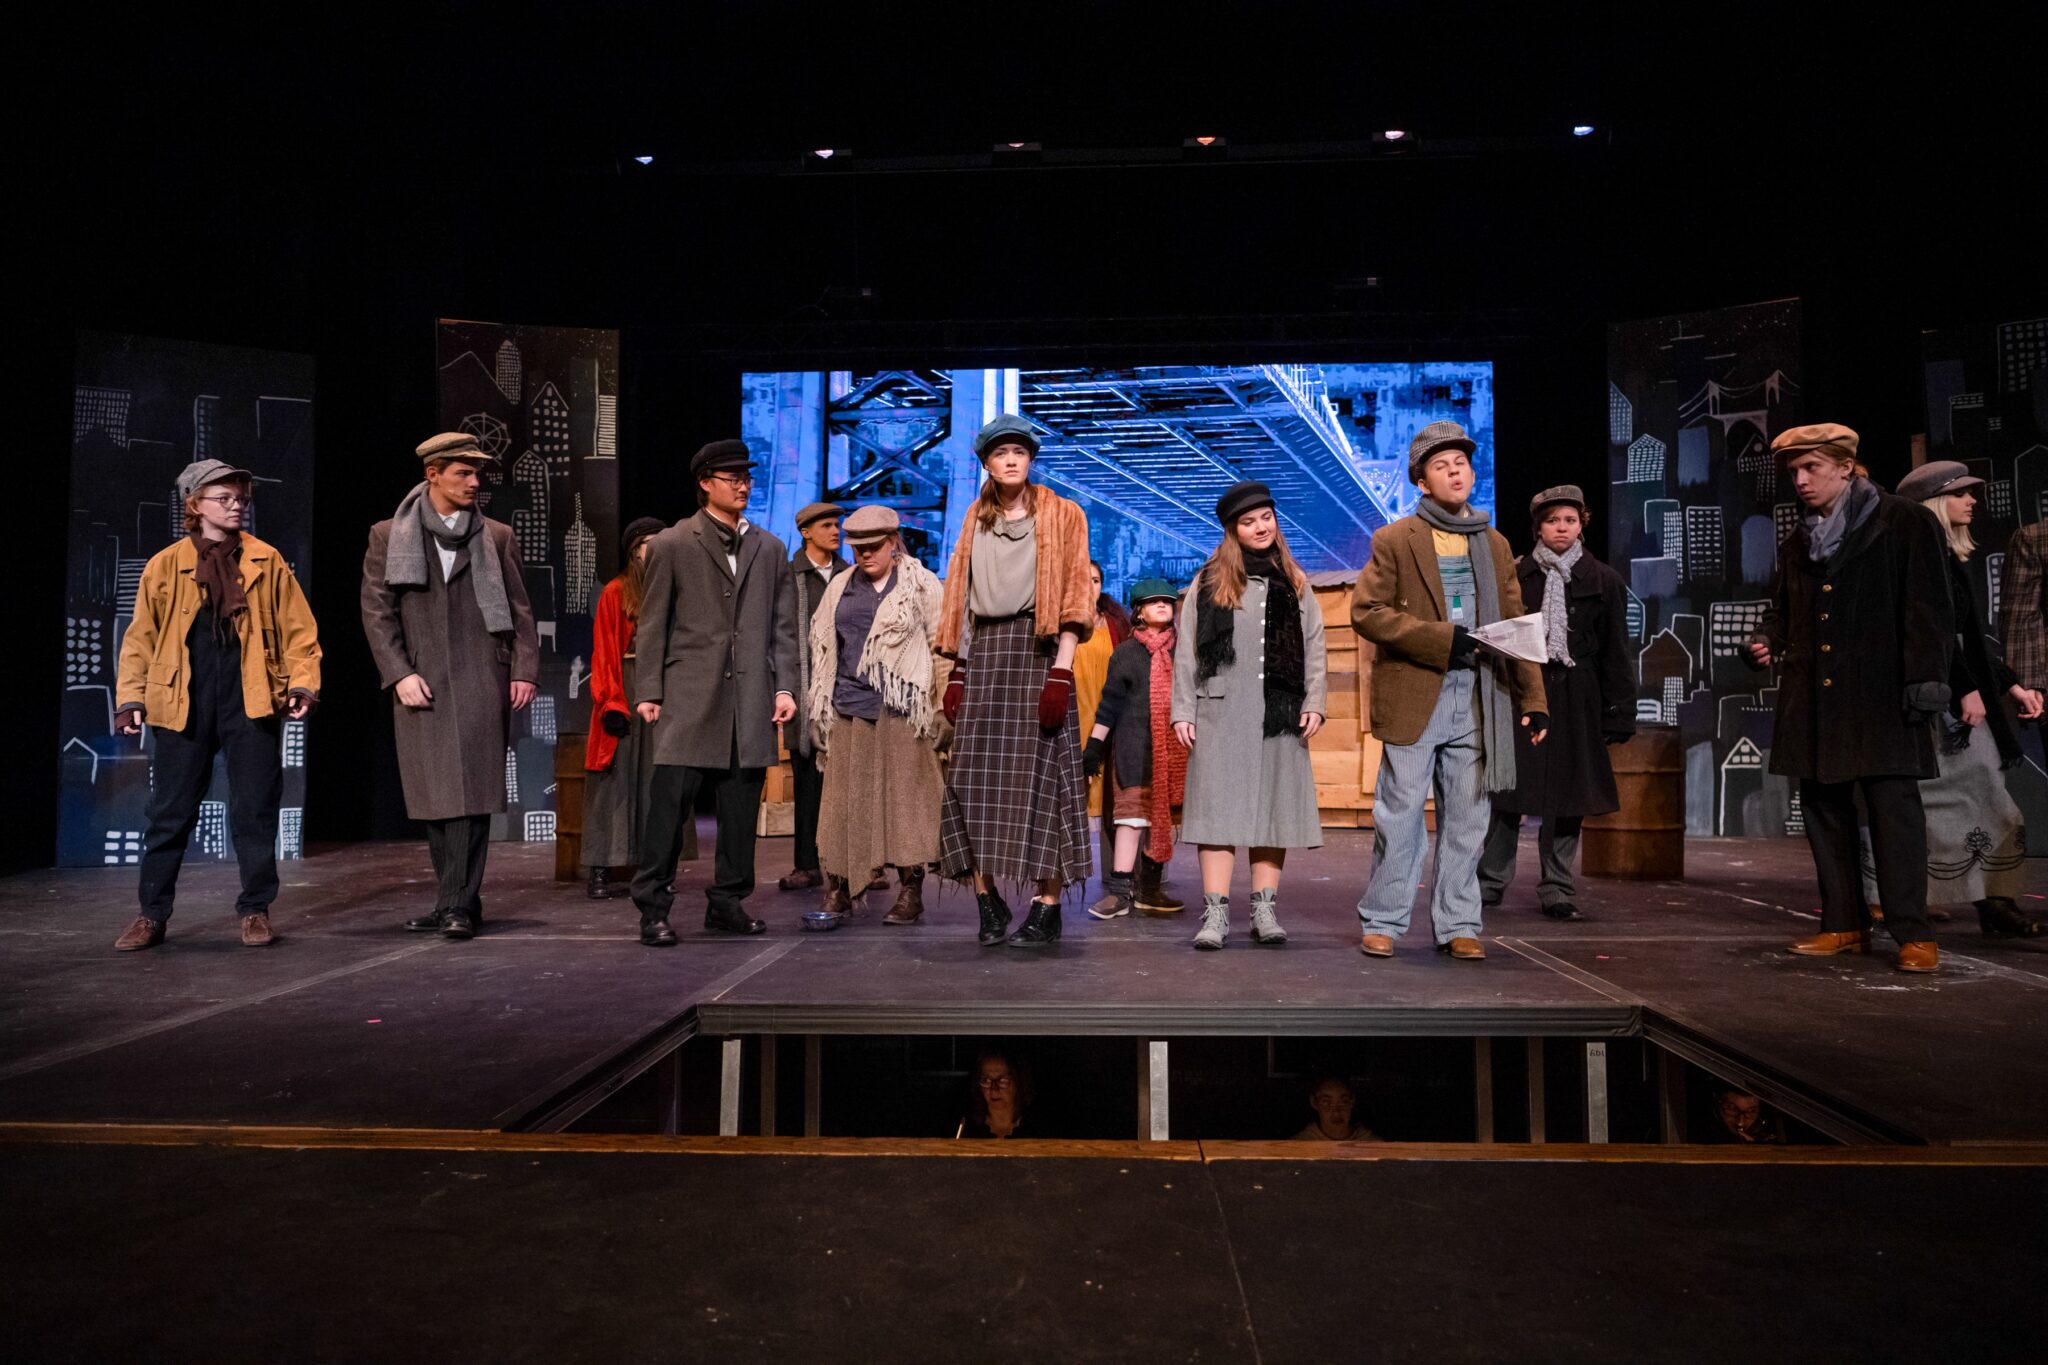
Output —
(821, 921)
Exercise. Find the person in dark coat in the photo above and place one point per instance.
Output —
(1590, 682)
(1132, 744)
(1860, 626)
(715, 674)
(815, 563)
(445, 609)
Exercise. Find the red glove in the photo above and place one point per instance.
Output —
(1055, 697)
(956, 688)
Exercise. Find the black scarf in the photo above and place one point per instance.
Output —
(1286, 655)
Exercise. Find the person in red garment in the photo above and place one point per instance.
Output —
(617, 759)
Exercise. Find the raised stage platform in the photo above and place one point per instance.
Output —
(349, 1021)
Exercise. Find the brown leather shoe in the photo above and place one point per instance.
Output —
(1465, 949)
(144, 933)
(878, 883)
(1828, 945)
(256, 931)
(801, 879)
(909, 901)
(1920, 957)
(1376, 945)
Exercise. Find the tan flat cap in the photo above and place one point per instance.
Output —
(869, 524)
(453, 445)
(1815, 436)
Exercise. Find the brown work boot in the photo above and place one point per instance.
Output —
(1464, 949)
(1149, 893)
(1921, 957)
(1376, 945)
(144, 933)
(256, 930)
(801, 879)
(837, 901)
(909, 897)
(1828, 945)
(878, 883)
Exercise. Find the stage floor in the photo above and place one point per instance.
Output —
(349, 1020)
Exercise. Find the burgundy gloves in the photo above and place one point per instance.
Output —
(1055, 697)
(956, 688)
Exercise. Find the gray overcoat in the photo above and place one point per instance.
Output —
(715, 645)
(1244, 789)
(451, 754)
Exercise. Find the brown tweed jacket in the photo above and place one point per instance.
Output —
(1066, 597)
(1398, 604)
(2023, 609)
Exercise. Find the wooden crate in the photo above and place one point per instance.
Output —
(777, 820)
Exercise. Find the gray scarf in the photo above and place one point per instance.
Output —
(1825, 534)
(405, 563)
(1496, 713)
(1557, 571)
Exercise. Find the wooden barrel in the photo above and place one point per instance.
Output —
(568, 806)
(1645, 839)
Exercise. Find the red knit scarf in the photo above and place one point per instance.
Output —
(1169, 760)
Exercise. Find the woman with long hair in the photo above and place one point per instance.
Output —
(618, 762)
(1018, 604)
(873, 715)
(1249, 685)
(1976, 850)
(998, 1094)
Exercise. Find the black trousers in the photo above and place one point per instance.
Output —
(183, 770)
(810, 792)
(671, 804)
(1898, 843)
(458, 847)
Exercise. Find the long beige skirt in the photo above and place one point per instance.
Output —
(880, 806)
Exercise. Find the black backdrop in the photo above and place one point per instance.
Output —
(333, 193)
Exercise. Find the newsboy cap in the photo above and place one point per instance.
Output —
(1813, 437)
(812, 511)
(1241, 498)
(1937, 478)
(720, 457)
(1006, 427)
(870, 524)
(1432, 438)
(1564, 492)
(639, 528)
(200, 473)
(1152, 590)
(453, 445)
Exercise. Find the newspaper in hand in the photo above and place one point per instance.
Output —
(1518, 637)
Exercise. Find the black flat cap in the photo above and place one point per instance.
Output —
(719, 457)
(1241, 498)
(638, 528)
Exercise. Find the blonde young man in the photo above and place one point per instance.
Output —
(223, 649)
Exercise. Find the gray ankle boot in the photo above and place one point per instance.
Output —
(1215, 922)
(1265, 924)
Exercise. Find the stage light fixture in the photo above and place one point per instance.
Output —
(1016, 153)
(1394, 134)
(827, 153)
(1582, 130)
(1204, 148)
(644, 160)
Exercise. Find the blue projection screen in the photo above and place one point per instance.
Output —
(1145, 449)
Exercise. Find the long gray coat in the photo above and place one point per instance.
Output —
(1244, 789)
(451, 755)
(714, 646)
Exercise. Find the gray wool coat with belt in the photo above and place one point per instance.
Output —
(451, 754)
(1245, 789)
(715, 645)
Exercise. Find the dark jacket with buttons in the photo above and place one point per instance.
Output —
(715, 644)
(1570, 773)
(1850, 637)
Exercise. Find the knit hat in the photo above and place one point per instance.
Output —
(814, 510)
(1241, 498)
(1817, 436)
(1937, 478)
(639, 528)
(870, 524)
(1007, 427)
(453, 445)
(720, 457)
(1432, 438)
(200, 473)
(1152, 590)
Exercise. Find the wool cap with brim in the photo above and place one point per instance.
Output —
(1004, 429)
(869, 524)
(1241, 498)
(814, 510)
(1814, 437)
(1152, 590)
(639, 528)
(200, 473)
(453, 445)
(1550, 497)
(1937, 478)
(1432, 438)
(721, 457)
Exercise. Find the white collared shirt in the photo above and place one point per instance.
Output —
(732, 558)
(451, 521)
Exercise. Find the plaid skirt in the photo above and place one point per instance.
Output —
(1016, 806)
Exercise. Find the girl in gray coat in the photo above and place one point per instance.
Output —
(1249, 684)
